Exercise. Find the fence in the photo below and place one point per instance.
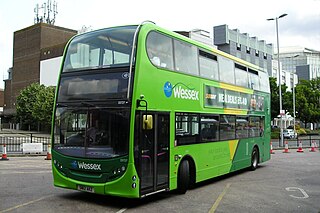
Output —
(306, 141)
(14, 141)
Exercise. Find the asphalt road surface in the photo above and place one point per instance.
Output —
(286, 183)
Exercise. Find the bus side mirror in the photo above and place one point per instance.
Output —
(147, 122)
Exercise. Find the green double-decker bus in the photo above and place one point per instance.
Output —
(141, 110)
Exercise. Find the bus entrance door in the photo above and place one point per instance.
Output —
(153, 147)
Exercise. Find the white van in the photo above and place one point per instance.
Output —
(289, 133)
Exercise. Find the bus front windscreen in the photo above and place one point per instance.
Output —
(110, 47)
(90, 132)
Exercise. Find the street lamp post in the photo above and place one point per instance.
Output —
(280, 92)
(293, 90)
(294, 98)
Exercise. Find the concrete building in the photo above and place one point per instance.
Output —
(32, 48)
(243, 46)
(198, 35)
(288, 78)
(302, 61)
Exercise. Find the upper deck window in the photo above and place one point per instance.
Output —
(160, 51)
(208, 65)
(103, 48)
(226, 70)
(186, 58)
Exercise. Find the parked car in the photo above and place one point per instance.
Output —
(289, 133)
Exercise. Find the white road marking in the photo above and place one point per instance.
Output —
(293, 189)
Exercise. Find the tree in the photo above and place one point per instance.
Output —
(275, 102)
(308, 100)
(34, 106)
(44, 105)
(274, 89)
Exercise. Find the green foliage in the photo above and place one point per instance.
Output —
(34, 105)
(308, 100)
(275, 134)
(275, 102)
(307, 95)
(301, 131)
(274, 97)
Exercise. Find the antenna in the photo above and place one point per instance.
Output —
(48, 10)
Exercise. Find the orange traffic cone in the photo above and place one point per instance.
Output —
(286, 148)
(300, 147)
(4, 153)
(313, 148)
(271, 149)
(48, 153)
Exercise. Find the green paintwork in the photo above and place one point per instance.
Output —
(211, 159)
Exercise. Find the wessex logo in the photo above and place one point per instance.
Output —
(180, 91)
(86, 166)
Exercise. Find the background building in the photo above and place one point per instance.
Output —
(198, 35)
(302, 61)
(288, 78)
(243, 46)
(37, 52)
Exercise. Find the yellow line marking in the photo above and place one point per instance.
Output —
(216, 204)
(25, 204)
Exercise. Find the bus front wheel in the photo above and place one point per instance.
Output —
(254, 159)
(183, 177)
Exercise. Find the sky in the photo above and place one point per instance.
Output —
(301, 27)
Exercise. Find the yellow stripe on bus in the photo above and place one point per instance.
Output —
(233, 146)
(236, 88)
(235, 111)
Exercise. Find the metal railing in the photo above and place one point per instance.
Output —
(306, 141)
(14, 141)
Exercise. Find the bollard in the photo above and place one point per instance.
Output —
(300, 147)
(286, 149)
(4, 153)
(271, 149)
(48, 152)
(313, 148)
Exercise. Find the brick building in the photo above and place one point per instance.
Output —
(31, 45)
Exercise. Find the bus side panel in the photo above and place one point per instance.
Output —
(242, 156)
(210, 160)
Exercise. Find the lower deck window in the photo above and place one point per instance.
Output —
(187, 129)
(200, 128)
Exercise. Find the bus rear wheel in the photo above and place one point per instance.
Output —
(254, 159)
(183, 177)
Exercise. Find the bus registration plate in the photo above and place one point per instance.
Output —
(85, 188)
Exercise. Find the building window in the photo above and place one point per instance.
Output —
(264, 55)
(248, 50)
(257, 53)
(239, 47)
